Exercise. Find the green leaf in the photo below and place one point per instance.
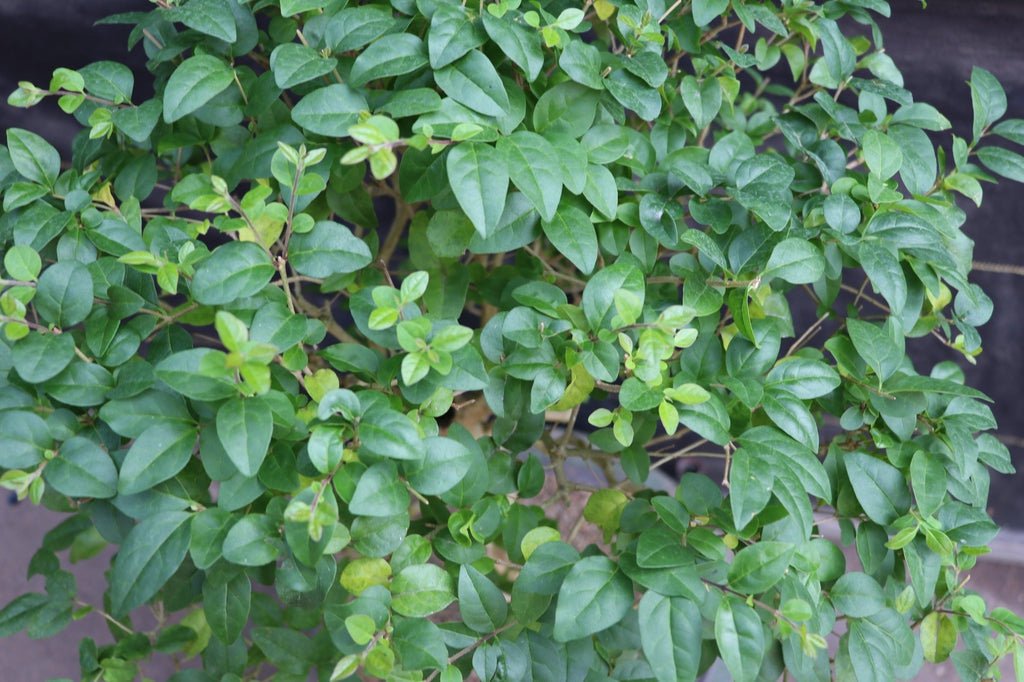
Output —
(535, 169)
(880, 487)
(82, 469)
(294, 64)
(594, 596)
(929, 480)
(148, 557)
(571, 232)
(479, 180)
(709, 419)
(445, 463)
(792, 416)
(419, 644)
(24, 437)
(212, 17)
(452, 34)
(39, 357)
(740, 637)
(601, 191)
(244, 429)
(195, 81)
(1004, 162)
(521, 44)
(64, 294)
(938, 637)
(472, 81)
(988, 100)
(252, 541)
(227, 596)
(330, 110)
(379, 492)
(138, 122)
(758, 567)
(797, 261)
(33, 157)
(421, 590)
(290, 8)
(804, 378)
(328, 249)
(857, 595)
(882, 266)
(159, 453)
(668, 628)
(393, 55)
(882, 154)
(386, 433)
(233, 271)
(582, 62)
(919, 167)
(882, 348)
(706, 11)
(285, 647)
(840, 59)
(481, 604)
(702, 100)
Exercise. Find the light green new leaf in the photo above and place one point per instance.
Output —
(594, 596)
(479, 179)
(195, 82)
(534, 167)
(158, 454)
(574, 236)
(481, 604)
(244, 428)
(147, 559)
(668, 628)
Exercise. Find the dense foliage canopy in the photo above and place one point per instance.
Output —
(334, 336)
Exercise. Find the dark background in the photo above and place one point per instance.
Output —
(935, 48)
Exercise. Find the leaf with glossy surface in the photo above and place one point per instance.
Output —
(39, 357)
(233, 271)
(479, 179)
(594, 596)
(244, 428)
(758, 567)
(879, 486)
(668, 628)
(421, 590)
(82, 469)
(328, 249)
(534, 168)
(196, 81)
(571, 232)
(393, 55)
(329, 111)
(481, 604)
(227, 596)
(148, 557)
(379, 492)
(740, 637)
(159, 453)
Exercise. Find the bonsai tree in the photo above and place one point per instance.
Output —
(367, 339)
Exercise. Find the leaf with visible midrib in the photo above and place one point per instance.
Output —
(227, 596)
(82, 469)
(668, 628)
(740, 636)
(594, 596)
(244, 427)
(195, 82)
(157, 455)
(147, 559)
(479, 180)
(534, 168)
(571, 232)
